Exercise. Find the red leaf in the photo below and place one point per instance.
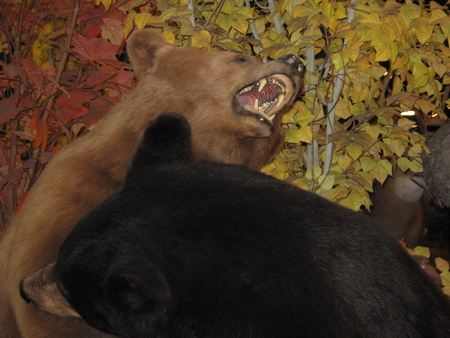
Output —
(96, 50)
(113, 31)
(35, 76)
(98, 108)
(98, 78)
(8, 109)
(92, 28)
(125, 79)
(88, 12)
(72, 107)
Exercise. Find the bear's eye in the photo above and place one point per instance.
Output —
(241, 58)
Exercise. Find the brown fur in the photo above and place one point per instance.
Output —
(198, 84)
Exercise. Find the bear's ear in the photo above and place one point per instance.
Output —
(166, 139)
(142, 48)
(135, 287)
(41, 289)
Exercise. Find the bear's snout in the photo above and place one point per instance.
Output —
(293, 60)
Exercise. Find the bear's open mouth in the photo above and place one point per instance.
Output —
(265, 96)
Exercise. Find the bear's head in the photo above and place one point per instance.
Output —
(233, 90)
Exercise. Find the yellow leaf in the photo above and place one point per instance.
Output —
(373, 130)
(339, 192)
(379, 37)
(327, 9)
(441, 264)
(416, 167)
(353, 202)
(422, 251)
(142, 19)
(415, 150)
(437, 15)
(354, 150)
(326, 182)
(445, 278)
(383, 53)
(244, 12)
(106, 3)
(345, 162)
(168, 37)
(367, 179)
(399, 148)
(445, 26)
(129, 24)
(405, 124)
(426, 106)
(340, 60)
(343, 108)
(421, 75)
(201, 39)
(225, 22)
(367, 163)
(291, 135)
(372, 21)
(394, 51)
(332, 24)
(241, 25)
(396, 27)
(303, 117)
(341, 12)
(423, 30)
(305, 134)
(313, 172)
(301, 184)
(403, 163)
(382, 170)
(446, 290)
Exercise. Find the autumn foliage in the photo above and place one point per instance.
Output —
(63, 66)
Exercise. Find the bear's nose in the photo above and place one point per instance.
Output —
(292, 60)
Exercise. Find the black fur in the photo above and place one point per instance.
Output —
(207, 250)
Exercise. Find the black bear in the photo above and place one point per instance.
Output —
(206, 250)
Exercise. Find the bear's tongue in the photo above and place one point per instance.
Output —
(261, 96)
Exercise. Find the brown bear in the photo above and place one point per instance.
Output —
(232, 102)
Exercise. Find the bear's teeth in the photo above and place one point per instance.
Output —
(262, 84)
(262, 109)
(276, 82)
(256, 105)
(280, 99)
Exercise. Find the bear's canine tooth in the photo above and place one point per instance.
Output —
(280, 99)
(256, 105)
(262, 84)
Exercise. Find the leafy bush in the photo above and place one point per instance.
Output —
(63, 68)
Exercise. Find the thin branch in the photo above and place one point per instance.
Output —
(275, 17)
(337, 90)
(255, 30)
(215, 13)
(62, 62)
(11, 188)
(192, 17)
